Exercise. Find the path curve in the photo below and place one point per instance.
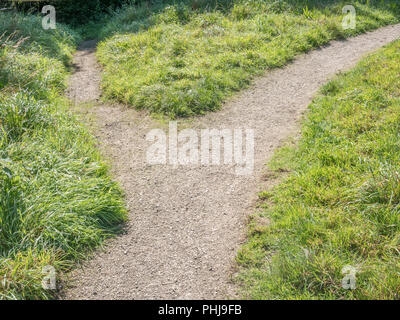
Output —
(186, 223)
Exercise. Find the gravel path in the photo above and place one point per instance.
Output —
(187, 222)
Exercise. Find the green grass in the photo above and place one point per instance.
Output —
(341, 200)
(56, 198)
(186, 58)
(59, 43)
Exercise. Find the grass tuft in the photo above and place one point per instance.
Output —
(57, 200)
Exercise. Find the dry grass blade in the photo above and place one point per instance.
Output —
(8, 39)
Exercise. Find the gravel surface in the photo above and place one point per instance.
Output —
(187, 222)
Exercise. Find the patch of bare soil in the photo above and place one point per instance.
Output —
(187, 222)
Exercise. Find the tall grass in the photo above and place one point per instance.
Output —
(56, 198)
(185, 58)
(57, 43)
(340, 204)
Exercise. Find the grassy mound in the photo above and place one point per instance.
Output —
(341, 203)
(185, 59)
(56, 198)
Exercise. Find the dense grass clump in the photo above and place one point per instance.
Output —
(184, 59)
(58, 43)
(340, 204)
(56, 198)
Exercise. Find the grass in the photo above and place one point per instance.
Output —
(56, 198)
(185, 59)
(59, 43)
(340, 204)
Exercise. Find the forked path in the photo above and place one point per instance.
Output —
(187, 222)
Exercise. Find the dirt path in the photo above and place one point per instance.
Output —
(186, 223)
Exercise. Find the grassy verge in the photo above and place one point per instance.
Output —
(340, 204)
(56, 198)
(185, 59)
